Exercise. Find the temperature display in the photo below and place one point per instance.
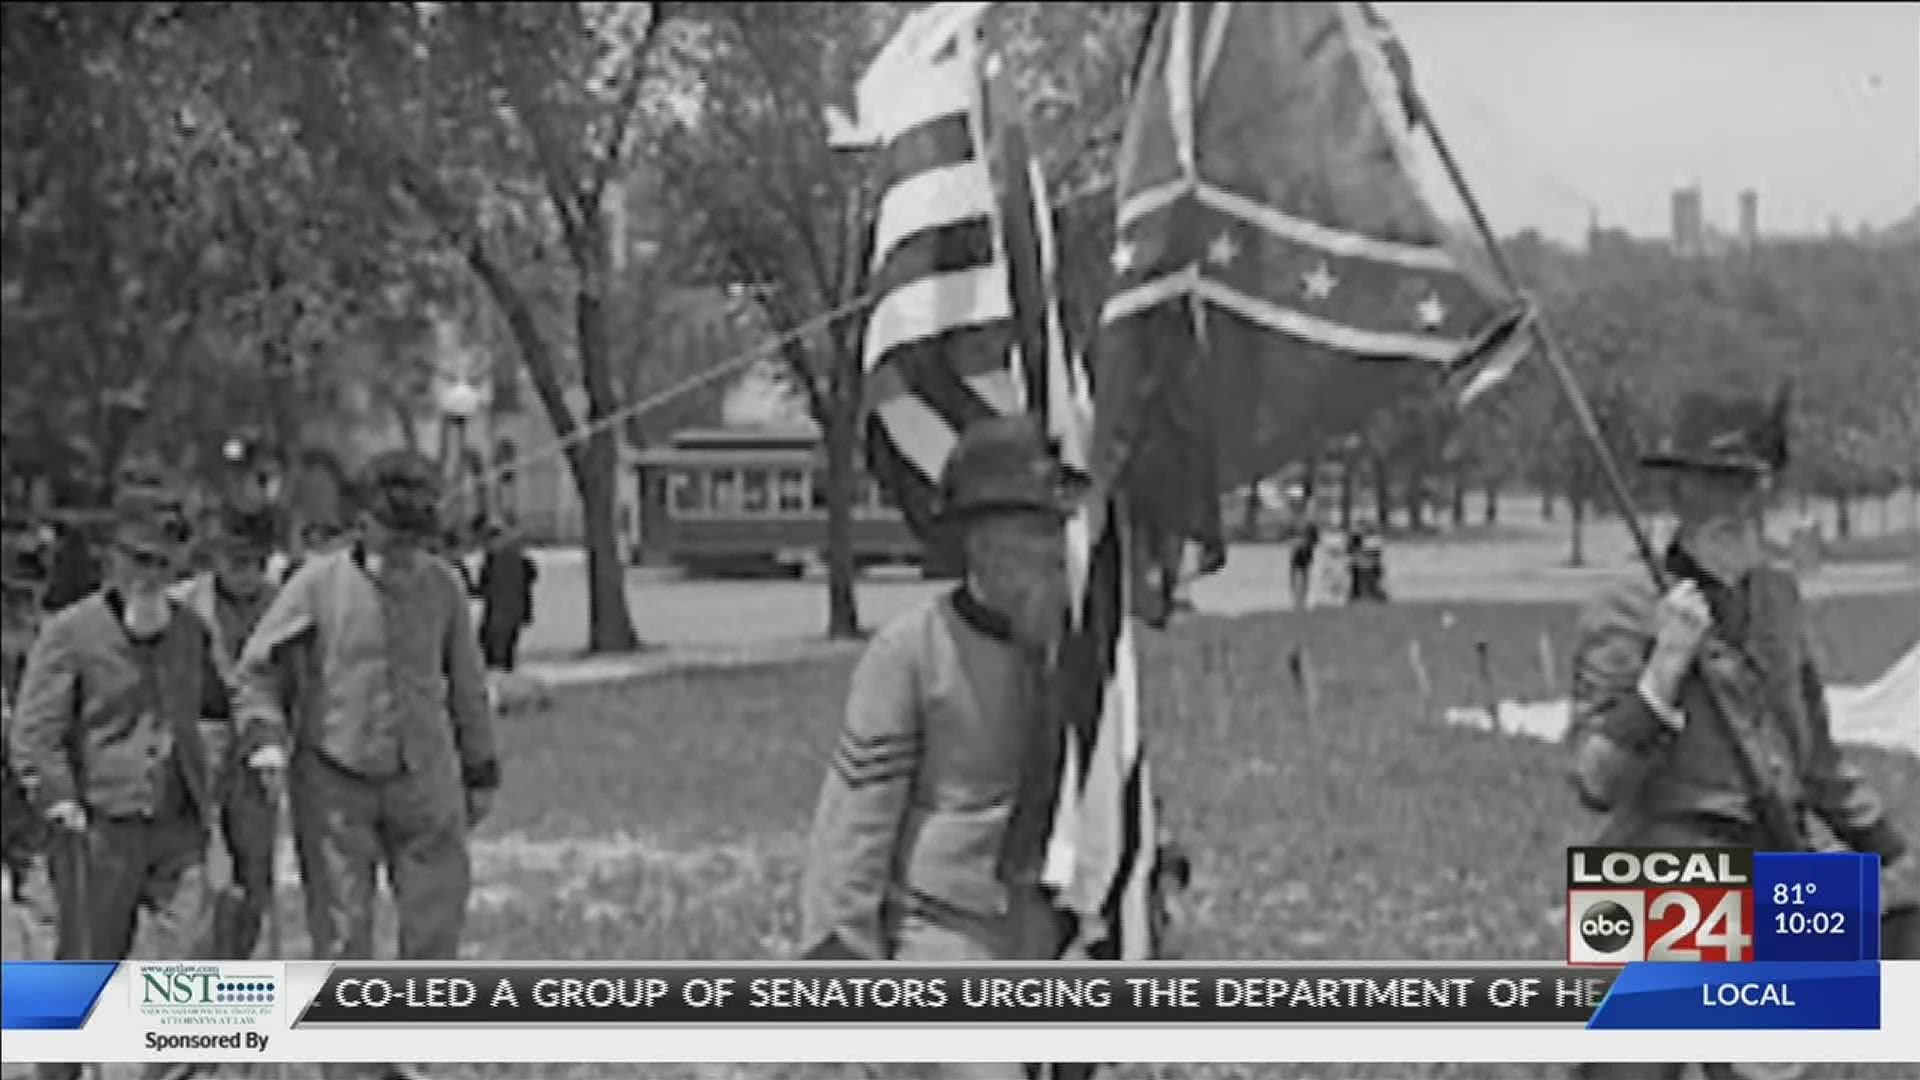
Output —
(1816, 906)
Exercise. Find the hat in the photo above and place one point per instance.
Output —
(239, 529)
(1726, 434)
(398, 489)
(149, 521)
(1002, 465)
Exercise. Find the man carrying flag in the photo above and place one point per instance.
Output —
(931, 833)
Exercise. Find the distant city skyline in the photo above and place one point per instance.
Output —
(1564, 113)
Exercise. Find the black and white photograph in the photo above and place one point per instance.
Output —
(1050, 487)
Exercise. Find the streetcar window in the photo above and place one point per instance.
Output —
(793, 491)
(755, 497)
(726, 491)
(687, 492)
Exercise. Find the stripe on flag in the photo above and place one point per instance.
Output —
(1101, 855)
(935, 348)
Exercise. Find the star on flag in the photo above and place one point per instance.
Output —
(1432, 312)
(1123, 257)
(1319, 283)
(1222, 250)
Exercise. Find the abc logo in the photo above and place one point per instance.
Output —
(1606, 927)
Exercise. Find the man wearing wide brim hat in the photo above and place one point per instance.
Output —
(1653, 750)
(931, 826)
(230, 598)
(386, 738)
(106, 737)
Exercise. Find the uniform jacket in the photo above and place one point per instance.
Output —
(102, 718)
(229, 620)
(1652, 782)
(941, 784)
(379, 676)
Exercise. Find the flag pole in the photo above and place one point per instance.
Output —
(1773, 816)
(1556, 360)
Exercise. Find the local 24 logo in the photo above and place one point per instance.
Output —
(1682, 904)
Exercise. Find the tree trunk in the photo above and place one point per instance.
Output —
(1490, 511)
(843, 441)
(1459, 498)
(1577, 512)
(1843, 516)
(1382, 495)
(1250, 511)
(1416, 498)
(1546, 502)
(609, 623)
(1346, 492)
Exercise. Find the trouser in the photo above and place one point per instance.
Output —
(928, 932)
(246, 829)
(499, 641)
(346, 829)
(1300, 576)
(104, 877)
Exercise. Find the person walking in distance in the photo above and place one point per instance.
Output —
(1653, 749)
(1300, 562)
(106, 737)
(507, 577)
(229, 599)
(389, 748)
(931, 825)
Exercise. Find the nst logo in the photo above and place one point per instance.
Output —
(171, 986)
(189, 993)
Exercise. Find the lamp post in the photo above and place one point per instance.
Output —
(460, 400)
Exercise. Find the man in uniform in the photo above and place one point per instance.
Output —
(107, 740)
(931, 827)
(1653, 748)
(229, 599)
(389, 745)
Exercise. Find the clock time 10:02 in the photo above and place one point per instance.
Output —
(1802, 923)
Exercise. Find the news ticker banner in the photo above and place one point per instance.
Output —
(740, 1012)
(1721, 904)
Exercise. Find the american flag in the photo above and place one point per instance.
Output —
(1102, 855)
(937, 337)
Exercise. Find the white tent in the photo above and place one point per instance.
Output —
(1884, 713)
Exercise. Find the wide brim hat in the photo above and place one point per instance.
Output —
(399, 490)
(1003, 465)
(1726, 434)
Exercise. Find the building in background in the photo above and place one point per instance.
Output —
(1750, 218)
(1689, 222)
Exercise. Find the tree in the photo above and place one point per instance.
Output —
(168, 273)
(507, 128)
(779, 209)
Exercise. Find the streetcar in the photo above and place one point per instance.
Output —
(728, 502)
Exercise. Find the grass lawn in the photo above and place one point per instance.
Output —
(664, 819)
(1884, 547)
